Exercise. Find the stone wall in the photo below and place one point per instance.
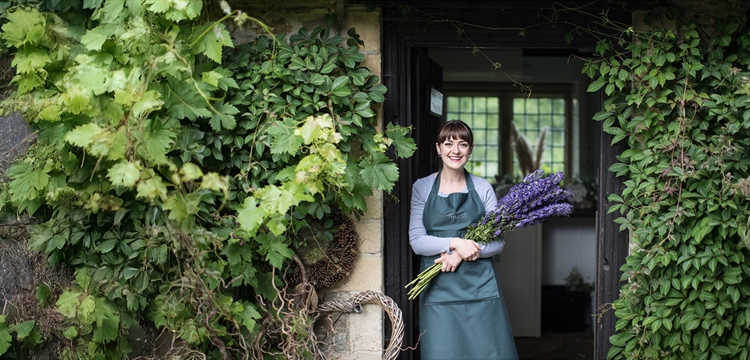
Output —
(355, 336)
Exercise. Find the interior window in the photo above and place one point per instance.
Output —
(531, 117)
(482, 114)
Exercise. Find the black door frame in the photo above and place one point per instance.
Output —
(400, 36)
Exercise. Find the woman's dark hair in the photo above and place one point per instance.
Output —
(455, 129)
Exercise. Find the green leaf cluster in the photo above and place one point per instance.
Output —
(178, 175)
(681, 101)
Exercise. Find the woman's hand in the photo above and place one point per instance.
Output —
(467, 249)
(450, 261)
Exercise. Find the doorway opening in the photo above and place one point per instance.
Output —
(547, 313)
(420, 56)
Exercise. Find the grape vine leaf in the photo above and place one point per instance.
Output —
(5, 339)
(24, 329)
(29, 61)
(152, 189)
(402, 143)
(124, 173)
(379, 172)
(250, 216)
(185, 100)
(283, 139)
(215, 37)
(68, 302)
(223, 116)
(84, 135)
(23, 27)
(249, 315)
(275, 249)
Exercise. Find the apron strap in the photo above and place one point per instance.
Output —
(436, 183)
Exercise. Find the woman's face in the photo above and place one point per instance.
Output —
(454, 153)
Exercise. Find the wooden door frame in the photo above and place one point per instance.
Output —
(399, 37)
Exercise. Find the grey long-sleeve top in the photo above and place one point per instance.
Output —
(429, 245)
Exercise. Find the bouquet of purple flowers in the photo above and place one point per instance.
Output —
(529, 202)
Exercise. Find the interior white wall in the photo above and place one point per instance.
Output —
(568, 242)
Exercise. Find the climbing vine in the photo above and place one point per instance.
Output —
(680, 97)
(177, 175)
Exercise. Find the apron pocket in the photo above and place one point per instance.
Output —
(473, 281)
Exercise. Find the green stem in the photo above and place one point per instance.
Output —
(422, 280)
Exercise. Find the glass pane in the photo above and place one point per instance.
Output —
(533, 115)
(482, 115)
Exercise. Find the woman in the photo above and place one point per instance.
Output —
(462, 312)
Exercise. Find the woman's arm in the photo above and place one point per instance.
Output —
(421, 243)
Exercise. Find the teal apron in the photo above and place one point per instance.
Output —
(462, 314)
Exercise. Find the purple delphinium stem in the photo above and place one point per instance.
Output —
(528, 202)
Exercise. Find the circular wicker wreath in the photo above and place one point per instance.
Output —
(337, 260)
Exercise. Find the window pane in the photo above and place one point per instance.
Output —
(482, 115)
(532, 116)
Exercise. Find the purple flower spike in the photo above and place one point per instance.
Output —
(535, 199)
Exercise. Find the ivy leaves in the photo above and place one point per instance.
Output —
(679, 101)
(179, 175)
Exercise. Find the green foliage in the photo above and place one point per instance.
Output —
(682, 103)
(179, 178)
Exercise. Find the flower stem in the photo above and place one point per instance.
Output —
(421, 281)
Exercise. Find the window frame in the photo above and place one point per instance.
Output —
(506, 92)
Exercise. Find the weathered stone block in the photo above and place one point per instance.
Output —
(366, 24)
(367, 275)
(370, 236)
(15, 139)
(366, 339)
(374, 206)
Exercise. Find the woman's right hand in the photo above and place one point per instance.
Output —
(449, 262)
(467, 249)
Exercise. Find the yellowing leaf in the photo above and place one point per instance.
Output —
(95, 38)
(24, 26)
(68, 302)
(311, 130)
(212, 78)
(216, 182)
(84, 135)
(124, 173)
(149, 101)
(30, 61)
(76, 100)
(275, 199)
(190, 172)
(86, 309)
(250, 216)
(152, 189)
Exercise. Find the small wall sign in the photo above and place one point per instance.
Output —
(436, 102)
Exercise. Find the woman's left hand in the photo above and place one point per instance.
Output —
(450, 261)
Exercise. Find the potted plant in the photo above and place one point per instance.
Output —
(564, 307)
